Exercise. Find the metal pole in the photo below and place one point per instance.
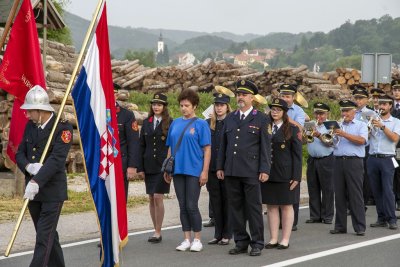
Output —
(44, 34)
(73, 76)
(11, 17)
(376, 71)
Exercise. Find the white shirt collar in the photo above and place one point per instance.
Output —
(246, 113)
(279, 124)
(44, 124)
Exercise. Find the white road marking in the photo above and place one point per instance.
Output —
(334, 251)
(98, 240)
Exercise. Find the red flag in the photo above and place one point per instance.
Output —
(21, 69)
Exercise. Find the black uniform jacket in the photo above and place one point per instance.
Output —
(215, 142)
(245, 149)
(286, 157)
(51, 178)
(153, 150)
(128, 131)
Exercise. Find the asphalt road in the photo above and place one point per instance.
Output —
(311, 245)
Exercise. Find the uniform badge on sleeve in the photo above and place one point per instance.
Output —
(135, 126)
(66, 136)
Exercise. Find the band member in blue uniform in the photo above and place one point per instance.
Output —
(380, 165)
(320, 170)
(243, 161)
(396, 113)
(46, 185)
(348, 170)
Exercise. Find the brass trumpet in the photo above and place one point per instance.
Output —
(330, 137)
(369, 124)
(308, 132)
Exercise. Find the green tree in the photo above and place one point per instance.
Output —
(145, 57)
(61, 35)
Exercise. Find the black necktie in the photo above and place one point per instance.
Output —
(242, 117)
(397, 106)
(157, 123)
(275, 129)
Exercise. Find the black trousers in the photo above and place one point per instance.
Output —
(45, 217)
(219, 204)
(348, 183)
(396, 185)
(367, 191)
(244, 200)
(320, 188)
(210, 208)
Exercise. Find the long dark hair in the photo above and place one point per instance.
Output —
(166, 118)
(287, 132)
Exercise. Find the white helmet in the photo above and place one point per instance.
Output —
(37, 98)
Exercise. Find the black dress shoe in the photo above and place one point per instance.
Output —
(334, 232)
(237, 250)
(378, 224)
(213, 241)
(155, 239)
(271, 246)
(223, 242)
(210, 223)
(393, 226)
(360, 233)
(280, 246)
(327, 221)
(313, 221)
(255, 252)
(294, 228)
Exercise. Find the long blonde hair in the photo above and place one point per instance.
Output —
(213, 118)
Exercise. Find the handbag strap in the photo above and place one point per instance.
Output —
(178, 144)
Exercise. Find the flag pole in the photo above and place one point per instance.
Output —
(73, 76)
(11, 16)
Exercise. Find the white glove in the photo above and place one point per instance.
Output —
(31, 190)
(33, 168)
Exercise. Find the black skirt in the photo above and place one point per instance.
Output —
(278, 193)
(155, 184)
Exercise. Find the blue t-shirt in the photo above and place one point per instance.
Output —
(190, 156)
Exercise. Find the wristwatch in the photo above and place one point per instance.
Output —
(383, 127)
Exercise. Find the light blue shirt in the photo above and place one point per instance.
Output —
(317, 149)
(346, 148)
(379, 143)
(190, 157)
(297, 114)
(359, 113)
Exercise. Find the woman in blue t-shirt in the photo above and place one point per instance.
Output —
(191, 167)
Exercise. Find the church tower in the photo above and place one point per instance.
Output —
(160, 44)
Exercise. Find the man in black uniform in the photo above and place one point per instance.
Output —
(46, 185)
(396, 113)
(244, 159)
(129, 141)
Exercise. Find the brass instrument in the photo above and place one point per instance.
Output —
(260, 99)
(223, 90)
(300, 100)
(369, 124)
(330, 137)
(308, 132)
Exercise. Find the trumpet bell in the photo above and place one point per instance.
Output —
(260, 99)
(223, 90)
(327, 139)
(300, 100)
(310, 139)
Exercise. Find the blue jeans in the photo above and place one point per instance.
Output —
(187, 189)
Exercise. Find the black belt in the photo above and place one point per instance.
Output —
(381, 155)
(347, 157)
(322, 157)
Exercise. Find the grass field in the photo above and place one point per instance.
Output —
(77, 202)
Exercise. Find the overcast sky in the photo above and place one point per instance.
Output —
(238, 16)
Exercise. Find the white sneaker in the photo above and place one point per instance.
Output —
(185, 245)
(197, 246)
